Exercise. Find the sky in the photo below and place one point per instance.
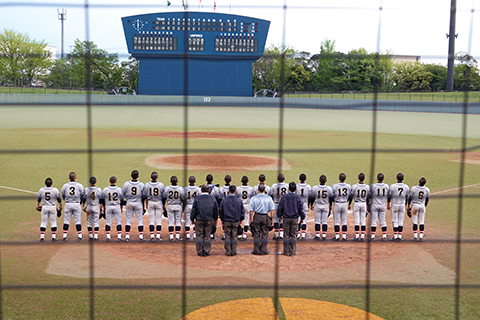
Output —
(406, 27)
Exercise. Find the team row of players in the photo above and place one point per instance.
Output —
(175, 201)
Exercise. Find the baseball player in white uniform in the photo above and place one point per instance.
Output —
(191, 192)
(245, 192)
(223, 190)
(153, 195)
(113, 197)
(47, 198)
(277, 191)
(341, 194)
(174, 196)
(72, 193)
(398, 196)
(322, 206)
(133, 191)
(93, 204)
(223, 193)
(418, 199)
(360, 197)
(261, 181)
(303, 190)
(378, 207)
(215, 192)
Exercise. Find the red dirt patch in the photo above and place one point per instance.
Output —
(215, 162)
(191, 135)
(315, 262)
(470, 158)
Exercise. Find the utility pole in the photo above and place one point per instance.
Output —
(62, 16)
(451, 46)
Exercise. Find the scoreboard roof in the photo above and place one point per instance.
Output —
(198, 34)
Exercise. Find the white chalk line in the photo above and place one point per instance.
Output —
(20, 190)
(458, 188)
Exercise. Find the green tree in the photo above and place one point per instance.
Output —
(412, 77)
(267, 71)
(22, 60)
(104, 67)
(360, 71)
(130, 73)
(330, 68)
(386, 67)
(466, 75)
(61, 75)
(298, 79)
(439, 76)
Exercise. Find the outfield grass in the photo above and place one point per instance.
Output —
(473, 96)
(328, 132)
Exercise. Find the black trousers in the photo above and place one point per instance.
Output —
(261, 223)
(203, 230)
(290, 230)
(230, 229)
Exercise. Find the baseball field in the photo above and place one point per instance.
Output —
(436, 279)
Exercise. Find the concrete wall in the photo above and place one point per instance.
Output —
(339, 104)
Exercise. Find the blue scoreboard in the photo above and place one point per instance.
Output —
(195, 53)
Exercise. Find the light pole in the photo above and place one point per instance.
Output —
(451, 46)
(62, 16)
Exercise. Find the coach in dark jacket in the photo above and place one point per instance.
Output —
(231, 214)
(204, 213)
(289, 209)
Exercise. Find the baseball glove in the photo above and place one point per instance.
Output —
(165, 214)
(39, 208)
(59, 213)
(239, 230)
(409, 212)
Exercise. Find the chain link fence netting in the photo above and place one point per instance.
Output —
(185, 291)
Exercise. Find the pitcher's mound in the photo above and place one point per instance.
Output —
(216, 162)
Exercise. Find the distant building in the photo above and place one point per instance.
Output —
(53, 57)
(406, 58)
(53, 51)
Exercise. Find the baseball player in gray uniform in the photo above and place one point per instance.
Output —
(215, 192)
(191, 192)
(322, 206)
(93, 204)
(223, 190)
(174, 196)
(245, 192)
(113, 197)
(72, 193)
(360, 197)
(341, 194)
(398, 196)
(378, 207)
(223, 193)
(261, 181)
(277, 191)
(47, 199)
(303, 190)
(153, 195)
(133, 191)
(417, 202)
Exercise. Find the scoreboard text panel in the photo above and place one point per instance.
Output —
(195, 32)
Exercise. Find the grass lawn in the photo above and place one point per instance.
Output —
(39, 90)
(473, 96)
